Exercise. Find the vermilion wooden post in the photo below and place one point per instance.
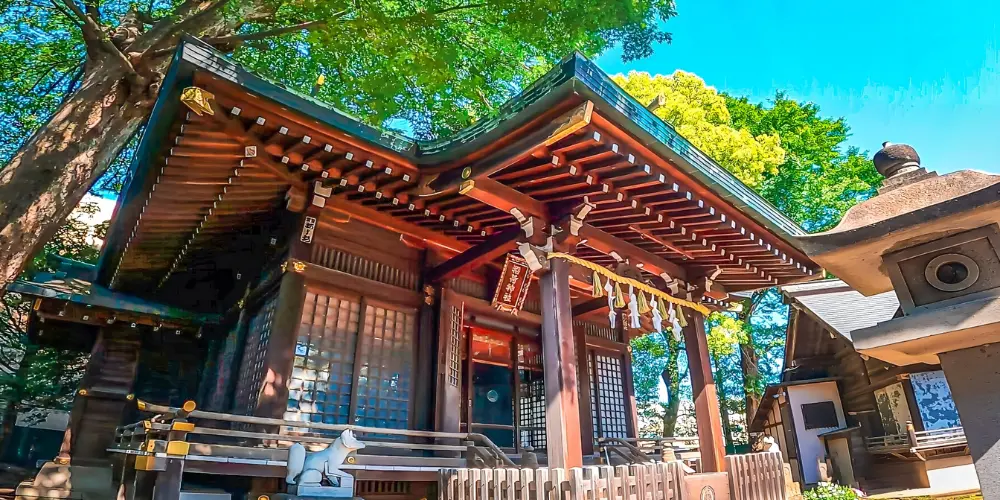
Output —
(706, 399)
(562, 416)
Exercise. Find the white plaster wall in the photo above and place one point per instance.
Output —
(811, 449)
(955, 474)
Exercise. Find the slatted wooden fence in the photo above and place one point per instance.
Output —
(658, 481)
(756, 476)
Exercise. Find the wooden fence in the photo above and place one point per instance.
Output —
(756, 476)
(658, 481)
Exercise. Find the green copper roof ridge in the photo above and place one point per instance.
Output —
(574, 74)
(574, 66)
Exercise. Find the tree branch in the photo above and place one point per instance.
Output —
(166, 27)
(260, 35)
(93, 11)
(455, 8)
(94, 35)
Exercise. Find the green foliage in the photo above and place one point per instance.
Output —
(428, 65)
(830, 491)
(699, 114)
(656, 358)
(35, 377)
(440, 65)
(71, 241)
(793, 157)
(819, 179)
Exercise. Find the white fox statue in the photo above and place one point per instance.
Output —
(307, 470)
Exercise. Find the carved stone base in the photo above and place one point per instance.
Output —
(309, 491)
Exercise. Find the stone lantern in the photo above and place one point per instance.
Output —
(935, 241)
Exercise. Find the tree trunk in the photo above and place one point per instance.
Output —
(52, 172)
(750, 360)
(720, 389)
(672, 380)
(751, 378)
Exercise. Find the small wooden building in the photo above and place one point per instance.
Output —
(273, 257)
(838, 415)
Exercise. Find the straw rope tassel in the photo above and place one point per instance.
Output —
(662, 304)
(608, 274)
(598, 287)
(619, 298)
(643, 304)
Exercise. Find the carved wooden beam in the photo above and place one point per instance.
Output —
(651, 237)
(610, 245)
(380, 219)
(557, 129)
(590, 306)
(504, 198)
(232, 127)
(494, 246)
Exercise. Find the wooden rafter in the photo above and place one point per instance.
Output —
(494, 246)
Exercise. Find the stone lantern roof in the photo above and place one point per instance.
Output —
(913, 206)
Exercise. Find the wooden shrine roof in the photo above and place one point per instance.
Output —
(195, 202)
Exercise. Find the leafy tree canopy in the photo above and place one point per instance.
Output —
(78, 77)
(699, 113)
(820, 178)
(792, 156)
(437, 64)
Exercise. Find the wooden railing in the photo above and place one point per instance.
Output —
(756, 476)
(659, 481)
(891, 442)
(940, 438)
(916, 441)
(209, 440)
(643, 450)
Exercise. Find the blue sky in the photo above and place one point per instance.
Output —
(923, 73)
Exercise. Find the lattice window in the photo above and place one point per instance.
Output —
(385, 374)
(319, 389)
(611, 397)
(531, 419)
(455, 348)
(254, 352)
(593, 395)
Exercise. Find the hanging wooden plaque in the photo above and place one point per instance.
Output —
(513, 286)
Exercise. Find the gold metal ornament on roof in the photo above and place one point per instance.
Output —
(198, 100)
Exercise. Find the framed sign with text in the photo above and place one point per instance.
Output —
(513, 285)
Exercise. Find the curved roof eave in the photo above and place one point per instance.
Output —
(574, 75)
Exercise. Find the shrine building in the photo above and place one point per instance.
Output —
(465, 300)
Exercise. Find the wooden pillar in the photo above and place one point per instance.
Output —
(280, 353)
(583, 378)
(427, 333)
(706, 399)
(562, 416)
(450, 404)
(631, 407)
(169, 482)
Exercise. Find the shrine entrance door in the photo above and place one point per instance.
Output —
(504, 389)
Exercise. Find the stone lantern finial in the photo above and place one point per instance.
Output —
(894, 159)
(899, 164)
